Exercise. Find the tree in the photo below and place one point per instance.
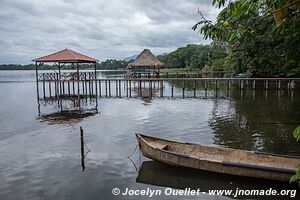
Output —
(195, 56)
(296, 177)
(263, 37)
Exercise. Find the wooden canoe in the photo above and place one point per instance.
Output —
(218, 159)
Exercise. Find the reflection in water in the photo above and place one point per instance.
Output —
(261, 123)
(67, 116)
(158, 174)
(68, 110)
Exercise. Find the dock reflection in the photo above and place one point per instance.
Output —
(66, 110)
(158, 174)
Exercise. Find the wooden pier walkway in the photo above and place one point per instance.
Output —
(87, 85)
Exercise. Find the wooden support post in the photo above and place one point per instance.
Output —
(92, 86)
(83, 89)
(150, 89)
(194, 89)
(100, 89)
(267, 84)
(253, 84)
(116, 88)
(89, 80)
(85, 84)
(217, 85)
(69, 93)
(172, 89)
(138, 88)
(96, 87)
(120, 93)
(126, 88)
(49, 88)
(55, 88)
(44, 93)
(242, 84)
(106, 94)
(63, 86)
(205, 85)
(161, 89)
(183, 89)
(279, 85)
(59, 79)
(130, 89)
(109, 89)
(78, 89)
(37, 82)
(57, 85)
(73, 86)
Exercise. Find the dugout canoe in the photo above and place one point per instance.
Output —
(218, 159)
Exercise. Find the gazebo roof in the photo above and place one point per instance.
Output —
(146, 59)
(67, 56)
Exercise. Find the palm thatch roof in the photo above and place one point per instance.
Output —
(146, 59)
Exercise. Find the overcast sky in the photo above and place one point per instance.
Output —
(99, 28)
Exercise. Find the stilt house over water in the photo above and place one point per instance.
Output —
(145, 65)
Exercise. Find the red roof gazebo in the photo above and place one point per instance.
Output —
(63, 58)
(66, 56)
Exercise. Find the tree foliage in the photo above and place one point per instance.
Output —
(296, 177)
(263, 37)
(112, 64)
(195, 56)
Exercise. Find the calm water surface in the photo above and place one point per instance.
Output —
(41, 160)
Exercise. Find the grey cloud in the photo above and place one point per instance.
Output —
(114, 29)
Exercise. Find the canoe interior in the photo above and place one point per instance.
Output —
(221, 155)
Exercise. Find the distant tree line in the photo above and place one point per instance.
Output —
(193, 56)
(112, 64)
(107, 64)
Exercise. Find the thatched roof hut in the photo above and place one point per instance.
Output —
(145, 59)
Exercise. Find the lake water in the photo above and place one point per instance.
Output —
(41, 160)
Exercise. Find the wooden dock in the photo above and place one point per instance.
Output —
(51, 85)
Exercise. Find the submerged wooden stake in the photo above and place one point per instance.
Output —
(82, 148)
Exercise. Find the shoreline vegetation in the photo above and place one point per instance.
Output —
(192, 58)
(188, 58)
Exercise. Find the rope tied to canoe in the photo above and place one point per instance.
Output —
(136, 169)
(133, 151)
